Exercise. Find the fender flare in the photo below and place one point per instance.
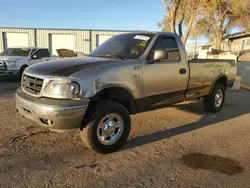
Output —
(21, 70)
(130, 106)
(25, 65)
(222, 75)
(124, 93)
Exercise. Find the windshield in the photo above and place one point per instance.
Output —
(16, 52)
(129, 46)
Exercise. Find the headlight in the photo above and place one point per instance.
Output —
(12, 64)
(63, 89)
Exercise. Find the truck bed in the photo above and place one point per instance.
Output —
(203, 72)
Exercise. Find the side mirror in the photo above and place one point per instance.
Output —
(34, 57)
(160, 55)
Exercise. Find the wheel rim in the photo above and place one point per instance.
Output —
(110, 129)
(218, 98)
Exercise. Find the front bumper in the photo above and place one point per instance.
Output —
(57, 115)
(6, 72)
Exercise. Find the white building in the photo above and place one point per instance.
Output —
(75, 39)
(237, 42)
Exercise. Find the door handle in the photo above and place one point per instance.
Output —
(183, 71)
(137, 67)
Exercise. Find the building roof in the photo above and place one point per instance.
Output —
(238, 35)
(28, 47)
(69, 29)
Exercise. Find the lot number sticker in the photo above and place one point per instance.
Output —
(141, 37)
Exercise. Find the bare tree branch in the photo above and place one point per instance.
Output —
(212, 18)
(164, 3)
(180, 24)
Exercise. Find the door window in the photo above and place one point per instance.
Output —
(168, 44)
(42, 53)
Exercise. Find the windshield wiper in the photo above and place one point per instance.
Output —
(109, 55)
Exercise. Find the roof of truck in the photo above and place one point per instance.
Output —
(151, 33)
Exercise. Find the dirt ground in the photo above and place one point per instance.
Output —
(179, 146)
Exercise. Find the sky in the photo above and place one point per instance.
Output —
(83, 14)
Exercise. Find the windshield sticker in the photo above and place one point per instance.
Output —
(141, 37)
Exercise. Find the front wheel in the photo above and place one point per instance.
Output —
(21, 72)
(215, 101)
(108, 129)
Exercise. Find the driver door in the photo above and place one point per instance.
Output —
(166, 79)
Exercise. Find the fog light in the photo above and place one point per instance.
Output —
(46, 121)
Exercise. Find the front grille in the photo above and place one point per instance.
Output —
(2, 65)
(32, 84)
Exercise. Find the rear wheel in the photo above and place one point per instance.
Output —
(108, 129)
(215, 101)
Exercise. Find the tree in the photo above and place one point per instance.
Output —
(180, 14)
(210, 18)
(218, 17)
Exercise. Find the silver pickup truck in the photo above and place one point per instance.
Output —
(127, 74)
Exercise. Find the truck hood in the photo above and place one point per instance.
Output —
(66, 67)
(11, 58)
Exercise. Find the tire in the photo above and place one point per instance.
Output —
(21, 72)
(211, 102)
(90, 135)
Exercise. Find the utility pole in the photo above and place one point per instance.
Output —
(195, 46)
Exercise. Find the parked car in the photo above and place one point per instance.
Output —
(127, 74)
(14, 60)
